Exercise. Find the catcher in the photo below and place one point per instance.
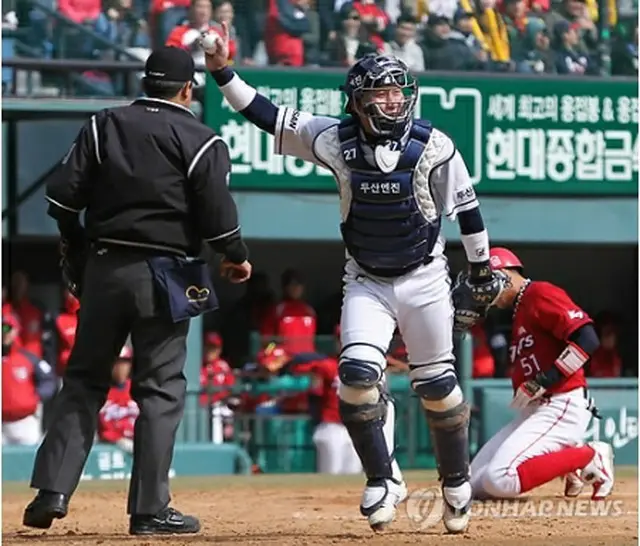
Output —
(552, 339)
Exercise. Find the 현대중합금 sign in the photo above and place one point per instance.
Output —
(551, 136)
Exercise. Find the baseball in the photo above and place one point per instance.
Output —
(209, 42)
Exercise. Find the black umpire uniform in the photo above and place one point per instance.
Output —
(153, 181)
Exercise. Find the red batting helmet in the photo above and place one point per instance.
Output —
(271, 353)
(503, 258)
(213, 339)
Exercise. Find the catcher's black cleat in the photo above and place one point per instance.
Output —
(166, 522)
(46, 507)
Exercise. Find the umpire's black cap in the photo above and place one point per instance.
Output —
(169, 64)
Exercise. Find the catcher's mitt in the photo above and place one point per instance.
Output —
(471, 300)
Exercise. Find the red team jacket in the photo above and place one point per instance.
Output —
(282, 47)
(216, 373)
(324, 389)
(66, 324)
(30, 318)
(118, 415)
(543, 322)
(20, 396)
(293, 323)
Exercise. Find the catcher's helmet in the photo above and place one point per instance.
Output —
(503, 258)
(373, 72)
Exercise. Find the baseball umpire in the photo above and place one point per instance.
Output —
(153, 182)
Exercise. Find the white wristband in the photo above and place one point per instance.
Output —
(238, 93)
(476, 246)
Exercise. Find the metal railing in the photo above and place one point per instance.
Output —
(67, 24)
(69, 71)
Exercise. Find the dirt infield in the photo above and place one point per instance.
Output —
(312, 509)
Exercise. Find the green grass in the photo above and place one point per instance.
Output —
(285, 481)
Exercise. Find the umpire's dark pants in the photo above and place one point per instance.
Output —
(118, 300)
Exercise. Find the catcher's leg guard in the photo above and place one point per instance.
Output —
(448, 417)
(369, 417)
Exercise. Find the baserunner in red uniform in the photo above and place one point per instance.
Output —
(552, 338)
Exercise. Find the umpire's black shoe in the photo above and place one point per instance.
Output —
(46, 507)
(166, 522)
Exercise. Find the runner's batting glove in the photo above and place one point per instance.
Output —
(527, 392)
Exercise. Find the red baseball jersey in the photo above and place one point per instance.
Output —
(66, 324)
(216, 373)
(19, 394)
(544, 320)
(118, 415)
(293, 323)
(30, 326)
(324, 386)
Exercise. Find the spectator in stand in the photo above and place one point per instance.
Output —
(293, 321)
(122, 24)
(441, 8)
(311, 39)
(83, 12)
(223, 13)
(489, 28)
(606, 361)
(444, 51)
(569, 59)
(577, 13)
(539, 8)
(463, 31)
(186, 36)
(624, 51)
(117, 418)
(27, 382)
(29, 316)
(515, 17)
(164, 16)
(343, 44)
(66, 324)
(287, 23)
(538, 56)
(374, 19)
(215, 373)
(404, 45)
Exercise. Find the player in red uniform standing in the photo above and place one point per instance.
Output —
(117, 418)
(216, 372)
(334, 448)
(66, 324)
(28, 314)
(293, 321)
(27, 381)
(552, 339)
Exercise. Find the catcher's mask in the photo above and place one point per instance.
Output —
(381, 89)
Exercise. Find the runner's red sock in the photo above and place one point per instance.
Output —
(544, 468)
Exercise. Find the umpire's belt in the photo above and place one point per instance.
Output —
(183, 286)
